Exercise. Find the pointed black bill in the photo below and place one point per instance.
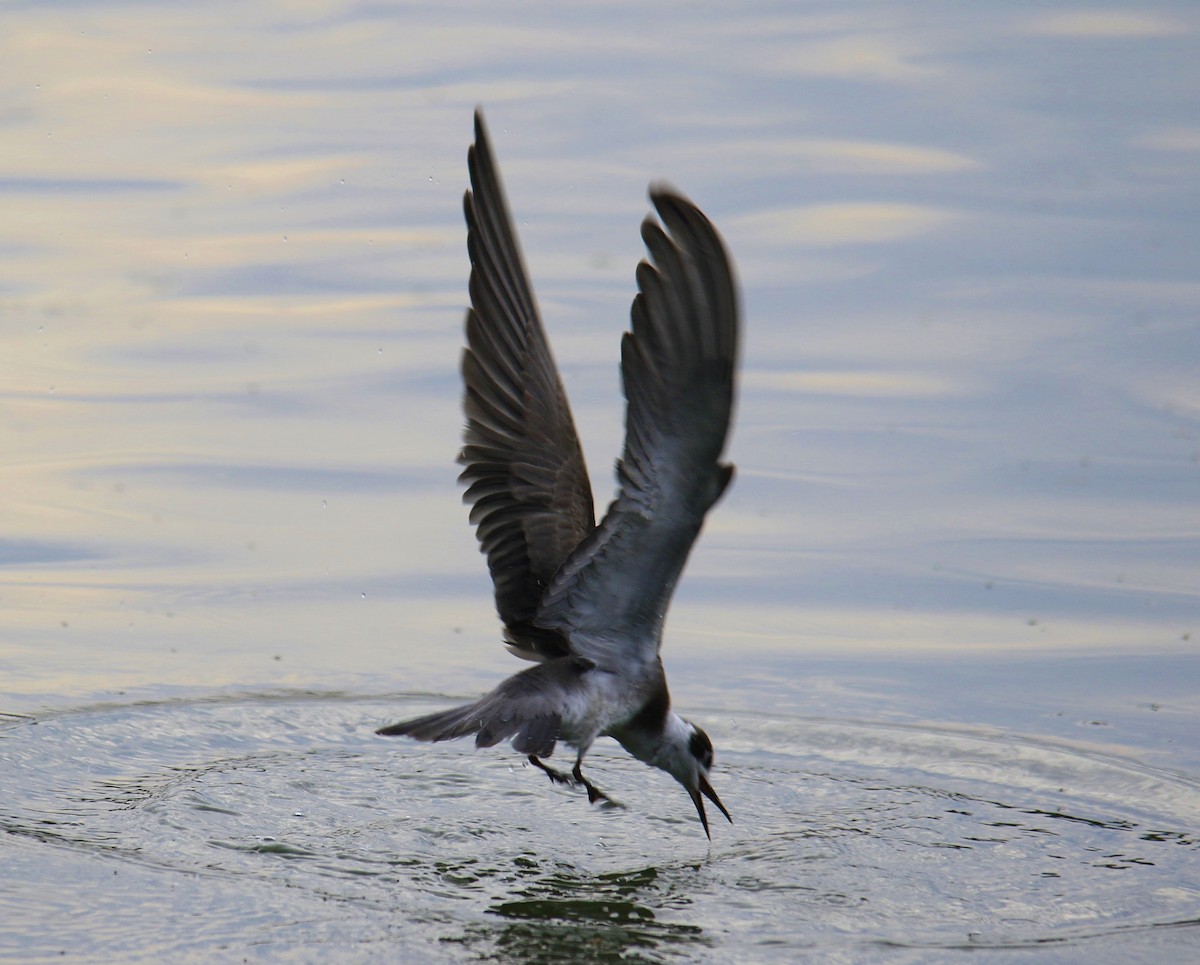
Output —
(699, 802)
(712, 796)
(706, 789)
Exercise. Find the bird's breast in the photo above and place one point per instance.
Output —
(609, 700)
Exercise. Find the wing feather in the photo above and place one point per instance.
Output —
(526, 479)
(610, 597)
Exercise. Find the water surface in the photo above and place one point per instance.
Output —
(942, 629)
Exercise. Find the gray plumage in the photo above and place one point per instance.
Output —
(587, 602)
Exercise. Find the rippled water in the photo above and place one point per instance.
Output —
(942, 629)
(283, 823)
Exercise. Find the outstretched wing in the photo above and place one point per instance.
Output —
(611, 596)
(530, 498)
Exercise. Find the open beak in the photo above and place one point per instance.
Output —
(706, 789)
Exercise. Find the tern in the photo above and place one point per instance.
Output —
(587, 603)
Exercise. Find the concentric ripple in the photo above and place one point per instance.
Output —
(147, 830)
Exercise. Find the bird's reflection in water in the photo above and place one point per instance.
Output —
(564, 916)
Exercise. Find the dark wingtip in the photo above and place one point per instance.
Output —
(663, 191)
(479, 152)
(672, 204)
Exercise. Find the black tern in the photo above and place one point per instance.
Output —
(587, 602)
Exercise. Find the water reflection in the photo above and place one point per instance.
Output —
(830, 226)
(565, 916)
(234, 281)
(230, 316)
(911, 836)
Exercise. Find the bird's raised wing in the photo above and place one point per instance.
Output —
(530, 498)
(611, 596)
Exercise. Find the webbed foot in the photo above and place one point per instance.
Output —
(576, 778)
(594, 793)
(557, 777)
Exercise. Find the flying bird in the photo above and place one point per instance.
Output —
(587, 602)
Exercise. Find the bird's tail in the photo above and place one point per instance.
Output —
(491, 720)
(443, 726)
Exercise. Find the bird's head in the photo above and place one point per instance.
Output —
(688, 758)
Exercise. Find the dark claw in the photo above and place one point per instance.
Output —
(558, 777)
(575, 777)
(594, 793)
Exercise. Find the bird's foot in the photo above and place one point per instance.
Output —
(594, 793)
(557, 777)
(576, 778)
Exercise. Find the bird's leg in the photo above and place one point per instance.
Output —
(575, 777)
(558, 777)
(594, 793)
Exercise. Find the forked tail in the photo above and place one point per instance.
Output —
(444, 726)
(489, 721)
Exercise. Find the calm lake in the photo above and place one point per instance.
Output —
(943, 629)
